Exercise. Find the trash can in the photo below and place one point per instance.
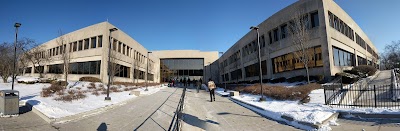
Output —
(9, 102)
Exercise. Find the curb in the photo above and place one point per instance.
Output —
(368, 116)
(76, 116)
(288, 119)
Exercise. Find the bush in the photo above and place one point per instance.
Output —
(72, 95)
(297, 79)
(60, 83)
(280, 92)
(366, 69)
(347, 78)
(49, 91)
(91, 86)
(89, 79)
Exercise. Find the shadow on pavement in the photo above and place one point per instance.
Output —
(102, 127)
(227, 113)
(195, 121)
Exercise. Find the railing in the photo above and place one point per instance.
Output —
(375, 96)
(175, 123)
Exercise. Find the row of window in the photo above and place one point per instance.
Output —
(282, 31)
(291, 61)
(90, 67)
(361, 61)
(236, 74)
(340, 26)
(253, 70)
(122, 71)
(234, 57)
(121, 47)
(343, 58)
(79, 45)
(252, 47)
(336, 23)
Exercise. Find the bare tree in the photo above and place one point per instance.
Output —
(6, 58)
(37, 56)
(391, 56)
(65, 56)
(299, 29)
(114, 67)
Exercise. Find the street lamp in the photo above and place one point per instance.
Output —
(109, 65)
(16, 25)
(147, 69)
(259, 60)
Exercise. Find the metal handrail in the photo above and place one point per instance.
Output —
(175, 123)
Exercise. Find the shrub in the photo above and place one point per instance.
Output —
(89, 79)
(72, 95)
(347, 78)
(366, 69)
(297, 79)
(60, 83)
(91, 86)
(95, 92)
(280, 92)
(115, 89)
(49, 91)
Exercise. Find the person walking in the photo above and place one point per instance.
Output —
(211, 87)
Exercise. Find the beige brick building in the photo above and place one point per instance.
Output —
(89, 49)
(337, 43)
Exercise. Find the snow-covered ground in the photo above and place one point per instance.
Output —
(313, 112)
(30, 93)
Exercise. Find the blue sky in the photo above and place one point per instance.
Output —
(208, 25)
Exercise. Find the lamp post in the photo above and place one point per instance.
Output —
(259, 60)
(109, 65)
(223, 73)
(147, 69)
(16, 25)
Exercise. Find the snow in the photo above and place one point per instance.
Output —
(27, 79)
(287, 84)
(30, 93)
(220, 91)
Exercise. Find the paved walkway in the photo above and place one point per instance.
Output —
(223, 114)
(367, 125)
(153, 112)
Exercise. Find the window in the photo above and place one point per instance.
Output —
(80, 45)
(122, 71)
(340, 26)
(57, 49)
(56, 69)
(283, 31)
(93, 42)
(314, 19)
(119, 47)
(330, 19)
(123, 49)
(86, 44)
(262, 41)
(100, 41)
(28, 70)
(39, 69)
(114, 46)
(343, 58)
(75, 46)
(276, 35)
(270, 37)
(90, 67)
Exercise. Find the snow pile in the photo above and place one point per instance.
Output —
(30, 93)
(220, 91)
(287, 84)
(27, 79)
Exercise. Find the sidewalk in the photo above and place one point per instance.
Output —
(223, 114)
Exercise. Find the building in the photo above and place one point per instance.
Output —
(336, 42)
(184, 64)
(88, 50)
